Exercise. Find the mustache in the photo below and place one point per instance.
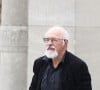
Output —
(50, 47)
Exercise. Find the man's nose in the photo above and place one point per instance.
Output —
(50, 41)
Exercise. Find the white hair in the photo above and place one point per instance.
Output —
(66, 35)
(61, 29)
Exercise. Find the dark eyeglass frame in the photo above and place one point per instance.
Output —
(52, 39)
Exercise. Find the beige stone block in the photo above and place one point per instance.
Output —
(87, 13)
(13, 68)
(53, 12)
(14, 13)
(87, 39)
(13, 38)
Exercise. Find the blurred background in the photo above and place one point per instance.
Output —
(22, 27)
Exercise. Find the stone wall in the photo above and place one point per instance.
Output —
(23, 24)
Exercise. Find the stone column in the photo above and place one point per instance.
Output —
(13, 45)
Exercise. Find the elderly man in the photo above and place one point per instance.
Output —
(59, 69)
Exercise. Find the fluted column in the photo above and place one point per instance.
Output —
(13, 45)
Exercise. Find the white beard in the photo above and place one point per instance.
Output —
(51, 53)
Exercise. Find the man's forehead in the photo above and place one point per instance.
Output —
(54, 33)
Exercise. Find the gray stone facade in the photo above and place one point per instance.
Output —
(23, 24)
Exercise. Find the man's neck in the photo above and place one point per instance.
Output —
(57, 60)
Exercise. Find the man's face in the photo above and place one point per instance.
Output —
(54, 43)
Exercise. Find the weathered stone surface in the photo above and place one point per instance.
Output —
(53, 12)
(13, 39)
(87, 13)
(13, 73)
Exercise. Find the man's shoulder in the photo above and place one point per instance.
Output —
(39, 63)
(75, 63)
(41, 59)
(75, 60)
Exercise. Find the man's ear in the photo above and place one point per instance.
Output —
(66, 42)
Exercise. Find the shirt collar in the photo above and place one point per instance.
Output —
(45, 58)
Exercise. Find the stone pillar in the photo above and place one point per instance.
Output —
(13, 45)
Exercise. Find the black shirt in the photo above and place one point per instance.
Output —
(52, 77)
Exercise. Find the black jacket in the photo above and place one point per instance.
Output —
(75, 74)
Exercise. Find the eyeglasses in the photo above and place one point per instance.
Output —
(46, 40)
